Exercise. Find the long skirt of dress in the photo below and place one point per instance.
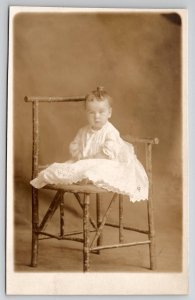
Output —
(124, 178)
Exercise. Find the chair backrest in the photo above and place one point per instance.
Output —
(147, 142)
(35, 123)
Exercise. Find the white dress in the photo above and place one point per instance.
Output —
(102, 157)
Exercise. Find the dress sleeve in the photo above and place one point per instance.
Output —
(111, 147)
(116, 148)
(75, 147)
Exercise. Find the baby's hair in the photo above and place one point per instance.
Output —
(98, 95)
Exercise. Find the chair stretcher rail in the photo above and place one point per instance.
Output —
(120, 245)
(69, 238)
(127, 228)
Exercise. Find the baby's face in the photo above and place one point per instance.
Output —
(98, 113)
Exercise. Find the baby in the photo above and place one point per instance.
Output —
(99, 139)
(99, 156)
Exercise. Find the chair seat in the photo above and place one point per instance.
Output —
(77, 188)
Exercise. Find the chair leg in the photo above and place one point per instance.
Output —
(121, 236)
(99, 220)
(34, 252)
(152, 255)
(86, 232)
(35, 221)
(150, 208)
(62, 215)
(152, 247)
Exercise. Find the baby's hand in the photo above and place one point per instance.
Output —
(101, 156)
(77, 157)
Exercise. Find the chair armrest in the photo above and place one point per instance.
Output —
(131, 139)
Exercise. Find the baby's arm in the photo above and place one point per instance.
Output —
(75, 147)
(111, 147)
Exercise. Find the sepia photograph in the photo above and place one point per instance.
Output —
(96, 156)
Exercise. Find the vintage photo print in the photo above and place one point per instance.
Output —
(97, 200)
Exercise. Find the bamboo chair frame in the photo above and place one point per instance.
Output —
(94, 246)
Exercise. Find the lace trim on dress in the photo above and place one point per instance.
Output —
(110, 175)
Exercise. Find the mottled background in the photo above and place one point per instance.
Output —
(137, 58)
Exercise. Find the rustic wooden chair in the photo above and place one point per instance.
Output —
(94, 246)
